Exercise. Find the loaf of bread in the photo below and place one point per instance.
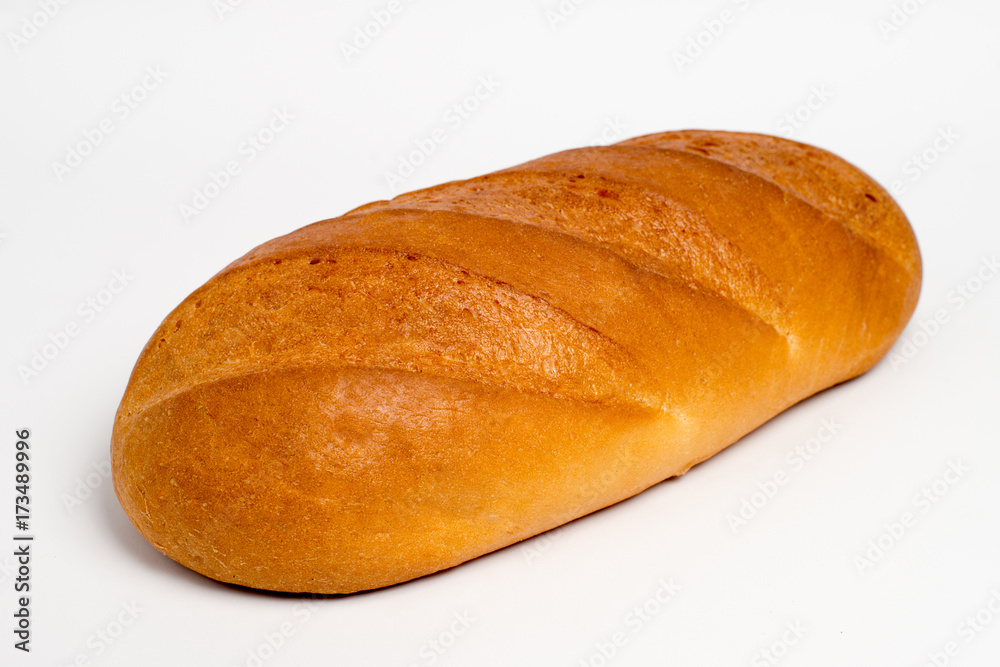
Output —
(421, 381)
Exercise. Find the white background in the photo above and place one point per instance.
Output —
(558, 599)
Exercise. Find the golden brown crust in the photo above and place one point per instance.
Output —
(383, 395)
